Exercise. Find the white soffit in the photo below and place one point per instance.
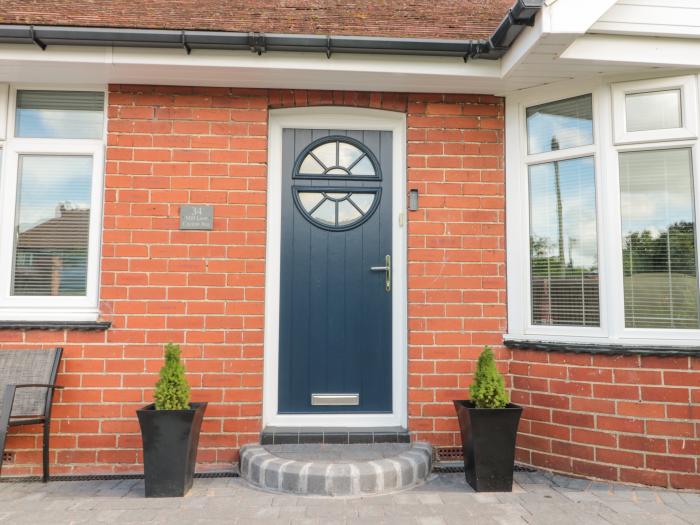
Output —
(632, 33)
(560, 47)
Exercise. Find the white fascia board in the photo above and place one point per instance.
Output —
(526, 42)
(66, 64)
(635, 50)
(574, 17)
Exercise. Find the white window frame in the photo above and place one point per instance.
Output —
(612, 326)
(689, 108)
(4, 98)
(520, 299)
(48, 308)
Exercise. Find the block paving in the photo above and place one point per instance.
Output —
(537, 499)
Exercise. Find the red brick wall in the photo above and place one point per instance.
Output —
(626, 418)
(456, 285)
(169, 146)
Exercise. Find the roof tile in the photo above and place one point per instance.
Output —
(445, 19)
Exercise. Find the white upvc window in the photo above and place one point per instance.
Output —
(602, 214)
(51, 187)
(655, 110)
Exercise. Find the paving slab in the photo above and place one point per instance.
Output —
(445, 499)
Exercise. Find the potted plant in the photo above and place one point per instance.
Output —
(170, 431)
(489, 425)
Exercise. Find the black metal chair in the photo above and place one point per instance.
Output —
(27, 384)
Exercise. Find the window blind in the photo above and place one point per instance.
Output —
(563, 243)
(658, 239)
(560, 125)
(59, 114)
(655, 110)
(52, 225)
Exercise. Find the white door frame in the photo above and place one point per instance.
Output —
(341, 118)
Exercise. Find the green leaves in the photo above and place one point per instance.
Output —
(172, 389)
(488, 388)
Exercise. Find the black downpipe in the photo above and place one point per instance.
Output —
(522, 14)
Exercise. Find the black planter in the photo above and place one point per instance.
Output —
(170, 439)
(488, 443)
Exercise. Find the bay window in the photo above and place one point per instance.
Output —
(601, 203)
(51, 191)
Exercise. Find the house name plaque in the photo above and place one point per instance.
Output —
(196, 217)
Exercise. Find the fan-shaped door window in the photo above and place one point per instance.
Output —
(337, 157)
(337, 208)
(329, 205)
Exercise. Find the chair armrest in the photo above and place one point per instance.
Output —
(9, 398)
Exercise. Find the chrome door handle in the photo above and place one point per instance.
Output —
(387, 272)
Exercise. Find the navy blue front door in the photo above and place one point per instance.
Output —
(335, 345)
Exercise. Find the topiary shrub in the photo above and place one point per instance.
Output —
(172, 389)
(488, 388)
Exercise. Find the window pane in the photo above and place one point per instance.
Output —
(563, 244)
(363, 201)
(327, 154)
(347, 213)
(657, 110)
(325, 213)
(311, 166)
(51, 225)
(658, 234)
(363, 167)
(59, 114)
(560, 125)
(347, 154)
(309, 199)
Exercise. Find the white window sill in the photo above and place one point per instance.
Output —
(25, 318)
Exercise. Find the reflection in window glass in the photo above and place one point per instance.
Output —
(325, 213)
(656, 110)
(563, 244)
(347, 213)
(348, 154)
(59, 114)
(311, 166)
(560, 125)
(339, 209)
(336, 196)
(327, 154)
(337, 157)
(658, 234)
(52, 225)
(309, 199)
(363, 201)
(363, 167)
